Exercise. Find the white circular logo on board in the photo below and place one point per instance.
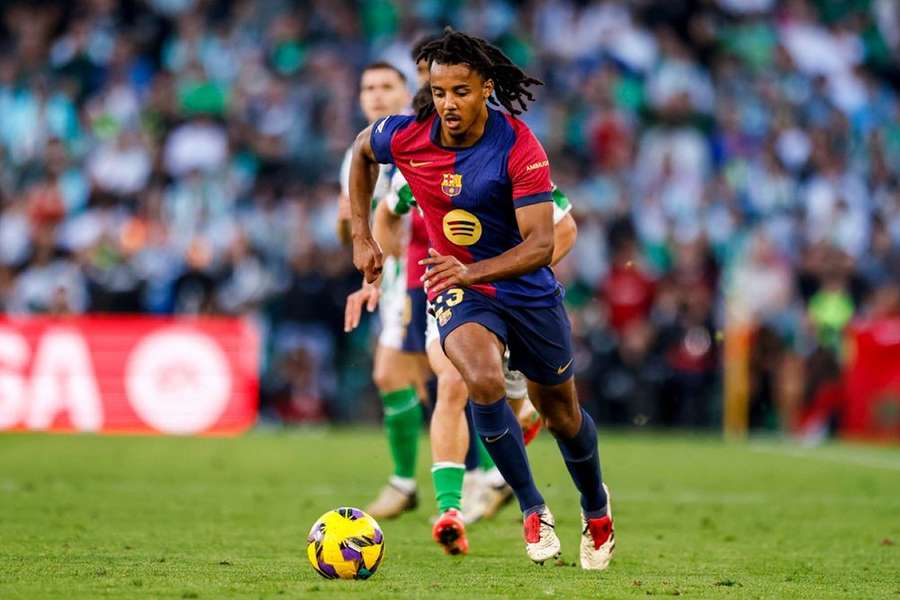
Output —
(178, 381)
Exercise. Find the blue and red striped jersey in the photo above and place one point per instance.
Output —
(469, 195)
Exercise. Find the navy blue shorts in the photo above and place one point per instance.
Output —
(539, 339)
(414, 328)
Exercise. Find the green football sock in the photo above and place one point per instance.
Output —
(402, 422)
(448, 483)
(484, 459)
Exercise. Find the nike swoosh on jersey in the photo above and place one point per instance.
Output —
(563, 368)
(416, 165)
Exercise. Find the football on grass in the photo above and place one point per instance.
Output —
(345, 543)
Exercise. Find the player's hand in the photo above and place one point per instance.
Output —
(368, 296)
(368, 258)
(444, 272)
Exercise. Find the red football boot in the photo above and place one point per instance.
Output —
(450, 532)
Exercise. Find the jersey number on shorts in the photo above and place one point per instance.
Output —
(443, 313)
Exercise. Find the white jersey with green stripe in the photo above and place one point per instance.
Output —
(561, 204)
(400, 199)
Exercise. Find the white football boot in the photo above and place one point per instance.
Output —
(598, 539)
(541, 541)
(473, 497)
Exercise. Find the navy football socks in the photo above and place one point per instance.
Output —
(583, 461)
(499, 429)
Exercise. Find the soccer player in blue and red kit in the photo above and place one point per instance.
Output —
(482, 181)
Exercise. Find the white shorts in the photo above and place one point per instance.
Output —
(516, 384)
(392, 308)
(431, 331)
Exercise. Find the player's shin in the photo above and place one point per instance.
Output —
(582, 459)
(448, 483)
(403, 423)
(499, 429)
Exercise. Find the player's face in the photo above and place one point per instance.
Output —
(382, 92)
(460, 95)
(422, 73)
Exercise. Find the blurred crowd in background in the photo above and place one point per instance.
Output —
(731, 162)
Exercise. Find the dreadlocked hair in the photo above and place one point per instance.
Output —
(422, 100)
(456, 48)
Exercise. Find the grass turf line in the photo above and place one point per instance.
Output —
(121, 517)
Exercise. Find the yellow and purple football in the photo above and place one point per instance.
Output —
(345, 543)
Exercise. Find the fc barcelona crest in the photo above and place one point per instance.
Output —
(451, 184)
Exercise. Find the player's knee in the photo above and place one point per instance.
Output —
(453, 388)
(485, 385)
(387, 379)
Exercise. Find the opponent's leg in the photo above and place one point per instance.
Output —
(476, 353)
(474, 482)
(449, 444)
(576, 436)
(396, 376)
(517, 393)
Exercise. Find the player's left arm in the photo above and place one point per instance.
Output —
(535, 251)
(565, 231)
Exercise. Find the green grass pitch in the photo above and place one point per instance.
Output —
(122, 517)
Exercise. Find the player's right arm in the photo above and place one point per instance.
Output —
(373, 146)
(367, 255)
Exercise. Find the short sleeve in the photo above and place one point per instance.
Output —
(383, 131)
(561, 204)
(529, 170)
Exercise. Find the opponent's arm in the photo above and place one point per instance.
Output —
(342, 225)
(367, 255)
(535, 251)
(386, 229)
(366, 296)
(564, 234)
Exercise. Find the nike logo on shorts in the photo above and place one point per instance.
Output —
(563, 368)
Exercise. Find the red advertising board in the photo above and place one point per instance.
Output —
(128, 375)
(872, 408)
